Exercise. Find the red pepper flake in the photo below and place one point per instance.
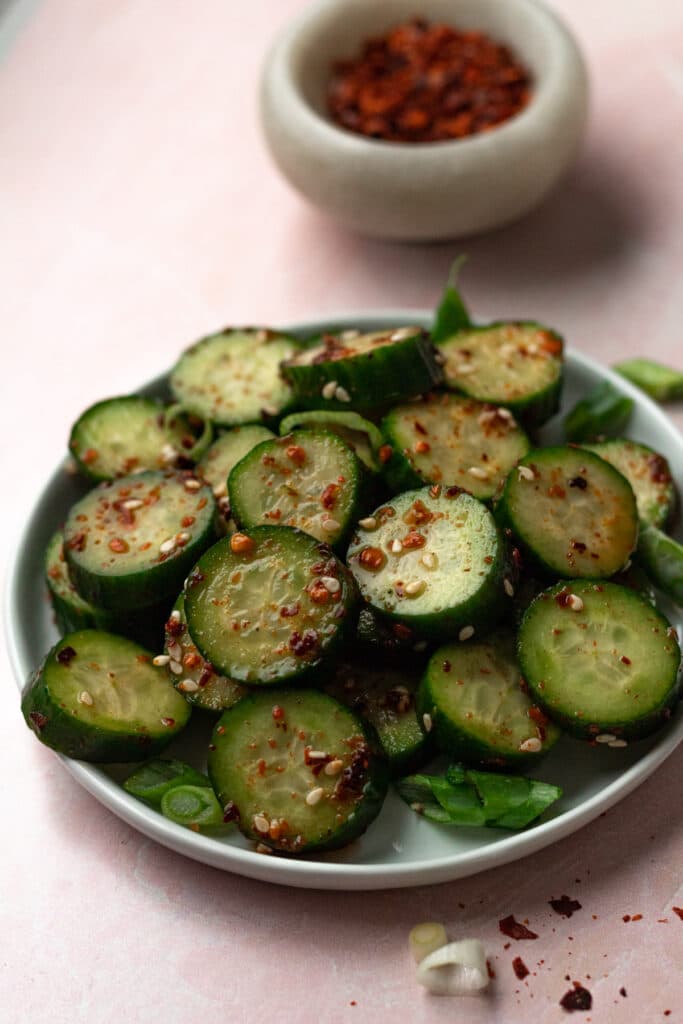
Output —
(422, 447)
(402, 632)
(577, 998)
(385, 452)
(626, 918)
(118, 545)
(446, 666)
(435, 491)
(556, 491)
(301, 645)
(540, 718)
(520, 968)
(659, 469)
(413, 540)
(372, 558)
(319, 593)
(637, 917)
(231, 812)
(624, 660)
(168, 722)
(288, 611)
(418, 514)
(296, 454)
(489, 970)
(328, 499)
(678, 911)
(77, 542)
(66, 655)
(514, 929)
(187, 521)
(565, 906)
(38, 720)
(89, 455)
(622, 992)
(278, 712)
(240, 544)
(580, 482)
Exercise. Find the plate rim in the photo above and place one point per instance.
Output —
(327, 874)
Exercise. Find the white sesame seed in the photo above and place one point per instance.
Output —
(262, 848)
(530, 746)
(329, 389)
(605, 737)
(507, 350)
(617, 743)
(174, 616)
(427, 722)
(439, 358)
(333, 767)
(341, 394)
(188, 686)
(132, 503)
(167, 546)
(415, 588)
(478, 473)
(168, 453)
(532, 348)
(504, 414)
(575, 603)
(465, 633)
(316, 755)
(464, 368)
(269, 410)
(420, 646)
(402, 333)
(315, 796)
(261, 823)
(71, 467)
(220, 490)
(627, 566)
(176, 668)
(508, 588)
(418, 808)
(191, 484)
(175, 651)
(161, 659)
(396, 547)
(183, 535)
(85, 698)
(429, 560)
(349, 335)
(330, 525)
(525, 473)
(486, 416)
(331, 584)
(369, 523)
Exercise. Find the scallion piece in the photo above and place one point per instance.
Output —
(662, 558)
(457, 969)
(152, 780)
(660, 382)
(451, 314)
(196, 807)
(425, 938)
(604, 412)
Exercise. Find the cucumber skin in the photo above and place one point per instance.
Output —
(78, 741)
(366, 811)
(649, 724)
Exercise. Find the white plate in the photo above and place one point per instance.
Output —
(400, 848)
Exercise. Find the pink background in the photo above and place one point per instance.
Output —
(139, 210)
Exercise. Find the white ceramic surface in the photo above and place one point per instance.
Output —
(400, 849)
(422, 191)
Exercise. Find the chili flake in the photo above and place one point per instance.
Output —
(514, 929)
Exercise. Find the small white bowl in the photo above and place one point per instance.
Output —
(434, 190)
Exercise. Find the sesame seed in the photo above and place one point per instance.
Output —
(508, 588)
(349, 335)
(333, 767)
(507, 350)
(524, 473)
(415, 588)
(486, 416)
(220, 490)
(504, 414)
(342, 395)
(427, 722)
(70, 467)
(329, 389)
(465, 633)
(331, 583)
(478, 473)
(269, 410)
(175, 651)
(314, 796)
(176, 668)
(261, 823)
(183, 536)
(188, 686)
(429, 560)
(132, 503)
(402, 333)
(191, 484)
(532, 348)
(168, 453)
(605, 737)
(617, 743)
(531, 746)
(418, 808)
(627, 566)
(316, 755)
(369, 523)
(85, 698)
(464, 368)
(174, 616)
(575, 603)
(167, 546)
(396, 547)
(330, 525)
(161, 659)
(262, 848)
(439, 358)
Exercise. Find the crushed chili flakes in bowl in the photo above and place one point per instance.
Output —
(427, 83)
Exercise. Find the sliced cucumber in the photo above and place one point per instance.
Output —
(600, 660)
(360, 434)
(269, 606)
(296, 771)
(388, 642)
(193, 675)
(385, 698)
(516, 365)
(130, 434)
(233, 377)
(574, 513)
(474, 702)
(451, 440)
(309, 479)
(434, 560)
(97, 697)
(648, 473)
(129, 544)
(662, 558)
(363, 371)
(226, 451)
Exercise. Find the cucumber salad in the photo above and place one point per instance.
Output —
(348, 563)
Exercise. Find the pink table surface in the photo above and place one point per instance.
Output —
(140, 210)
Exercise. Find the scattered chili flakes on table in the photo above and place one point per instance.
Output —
(520, 968)
(427, 83)
(565, 906)
(577, 998)
(515, 929)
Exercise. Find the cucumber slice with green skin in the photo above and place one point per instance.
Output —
(389, 642)
(385, 698)
(130, 434)
(151, 781)
(662, 558)
(359, 434)
(600, 660)
(363, 371)
(226, 451)
(270, 606)
(574, 514)
(192, 675)
(130, 544)
(296, 770)
(433, 560)
(604, 412)
(97, 697)
(516, 365)
(72, 612)
(472, 697)
(233, 377)
(648, 473)
(451, 440)
(309, 479)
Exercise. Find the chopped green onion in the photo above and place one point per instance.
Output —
(451, 315)
(457, 969)
(660, 382)
(425, 938)
(662, 558)
(604, 412)
(193, 806)
(152, 780)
